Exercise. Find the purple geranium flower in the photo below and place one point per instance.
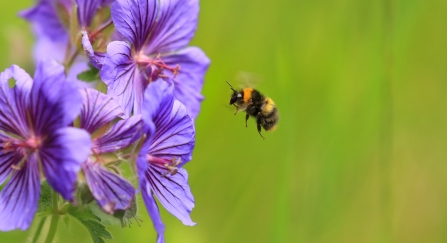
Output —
(110, 190)
(168, 146)
(158, 32)
(35, 138)
(50, 21)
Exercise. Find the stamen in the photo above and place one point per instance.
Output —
(157, 66)
(172, 168)
(32, 144)
(15, 167)
(169, 165)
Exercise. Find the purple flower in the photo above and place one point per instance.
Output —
(168, 146)
(110, 190)
(50, 21)
(35, 138)
(158, 32)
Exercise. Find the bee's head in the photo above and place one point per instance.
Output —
(235, 96)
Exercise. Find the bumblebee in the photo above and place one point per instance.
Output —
(256, 105)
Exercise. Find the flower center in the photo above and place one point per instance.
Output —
(156, 65)
(169, 165)
(25, 147)
(31, 144)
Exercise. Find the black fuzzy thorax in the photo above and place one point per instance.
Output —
(257, 103)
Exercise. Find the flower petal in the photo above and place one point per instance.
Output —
(97, 110)
(96, 58)
(110, 190)
(54, 102)
(22, 78)
(174, 129)
(13, 102)
(189, 82)
(45, 20)
(7, 160)
(175, 26)
(173, 192)
(87, 10)
(152, 209)
(174, 136)
(122, 77)
(61, 157)
(121, 135)
(135, 19)
(18, 200)
(49, 49)
(158, 99)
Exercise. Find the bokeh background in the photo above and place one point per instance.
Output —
(360, 152)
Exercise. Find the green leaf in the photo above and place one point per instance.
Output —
(81, 213)
(90, 75)
(103, 217)
(66, 220)
(96, 229)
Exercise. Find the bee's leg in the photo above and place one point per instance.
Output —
(246, 119)
(237, 109)
(259, 130)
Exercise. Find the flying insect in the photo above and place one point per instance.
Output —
(255, 104)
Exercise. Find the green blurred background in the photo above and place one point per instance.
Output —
(360, 152)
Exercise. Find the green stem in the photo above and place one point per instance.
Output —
(54, 219)
(39, 229)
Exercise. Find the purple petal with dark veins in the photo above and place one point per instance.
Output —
(189, 82)
(96, 58)
(7, 158)
(149, 201)
(158, 100)
(175, 27)
(121, 135)
(110, 190)
(54, 102)
(87, 10)
(61, 157)
(135, 19)
(174, 129)
(22, 78)
(13, 102)
(123, 79)
(173, 192)
(45, 20)
(18, 200)
(152, 209)
(175, 135)
(97, 110)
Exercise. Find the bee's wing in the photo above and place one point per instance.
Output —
(247, 79)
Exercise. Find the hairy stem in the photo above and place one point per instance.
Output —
(54, 219)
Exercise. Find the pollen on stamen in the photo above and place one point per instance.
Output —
(169, 165)
(157, 66)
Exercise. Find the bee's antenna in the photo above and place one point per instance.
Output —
(230, 86)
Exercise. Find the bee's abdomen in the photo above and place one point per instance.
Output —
(268, 118)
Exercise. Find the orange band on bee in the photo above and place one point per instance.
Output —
(247, 94)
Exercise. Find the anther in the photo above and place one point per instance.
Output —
(172, 168)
